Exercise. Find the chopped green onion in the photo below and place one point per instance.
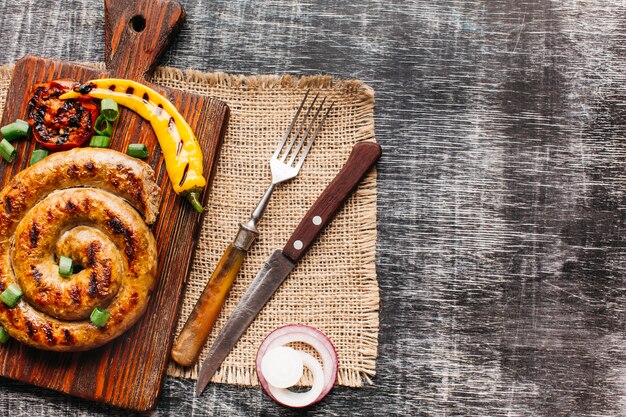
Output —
(99, 316)
(137, 150)
(4, 335)
(65, 266)
(7, 150)
(11, 295)
(109, 110)
(102, 126)
(100, 141)
(38, 155)
(17, 129)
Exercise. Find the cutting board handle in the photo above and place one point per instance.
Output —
(136, 33)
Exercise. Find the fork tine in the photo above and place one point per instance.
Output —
(306, 133)
(293, 122)
(302, 123)
(310, 144)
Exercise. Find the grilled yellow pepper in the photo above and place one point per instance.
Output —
(181, 150)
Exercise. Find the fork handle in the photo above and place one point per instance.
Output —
(192, 337)
(361, 159)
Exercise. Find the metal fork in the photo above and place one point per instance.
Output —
(285, 164)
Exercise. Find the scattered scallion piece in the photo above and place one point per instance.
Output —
(4, 335)
(38, 155)
(99, 316)
(11, 295)
(102, 126)
(98, 141)
(65, 266)
(18, 129)
(109, 109)
(7, 150)
(137, 150)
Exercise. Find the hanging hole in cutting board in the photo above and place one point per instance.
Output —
(138, 23)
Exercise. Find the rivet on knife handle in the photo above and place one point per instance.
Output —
(285, 164)
(361, 158)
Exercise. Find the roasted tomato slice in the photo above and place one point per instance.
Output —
(60, 124)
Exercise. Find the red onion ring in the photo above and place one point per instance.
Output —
(312, 337)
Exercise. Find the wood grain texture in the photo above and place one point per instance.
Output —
(129, 371)
(501, 191)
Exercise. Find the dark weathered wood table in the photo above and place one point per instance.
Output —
(502, 200)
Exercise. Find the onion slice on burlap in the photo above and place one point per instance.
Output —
(280, 367)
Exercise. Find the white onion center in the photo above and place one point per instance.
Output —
(282, 367)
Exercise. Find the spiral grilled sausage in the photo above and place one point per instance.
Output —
(76, 204)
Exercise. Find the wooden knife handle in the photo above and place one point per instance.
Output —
(192, 337)
(136, 33)
(362, 157)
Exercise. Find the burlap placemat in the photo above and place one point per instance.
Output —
(334, 288)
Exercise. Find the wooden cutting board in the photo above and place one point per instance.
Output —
(127, 372)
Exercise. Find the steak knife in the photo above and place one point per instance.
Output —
(281, 262)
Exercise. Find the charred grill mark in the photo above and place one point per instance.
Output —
(92, 251)
(120, 229)
(30, 329)
(90, 122)
(36, 274)
(68, 336)
(86, 88)
(63, 138)
(100, 284)
(117, 226)
(75, 294)
(182, 180)
(34, 235)
(134, 299)
(47, 329)
(75, 120)
(43, 295)
(106, 279)
(89, 165)
(69, 206)
(2, 286)
(93, 285)
(8, 204)
(72, 171)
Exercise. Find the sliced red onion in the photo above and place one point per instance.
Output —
(269, 355)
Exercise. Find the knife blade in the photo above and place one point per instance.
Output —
(281, 262)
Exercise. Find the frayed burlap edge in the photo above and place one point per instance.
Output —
(358, 92)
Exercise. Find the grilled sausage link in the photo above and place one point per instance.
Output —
(77, 204)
